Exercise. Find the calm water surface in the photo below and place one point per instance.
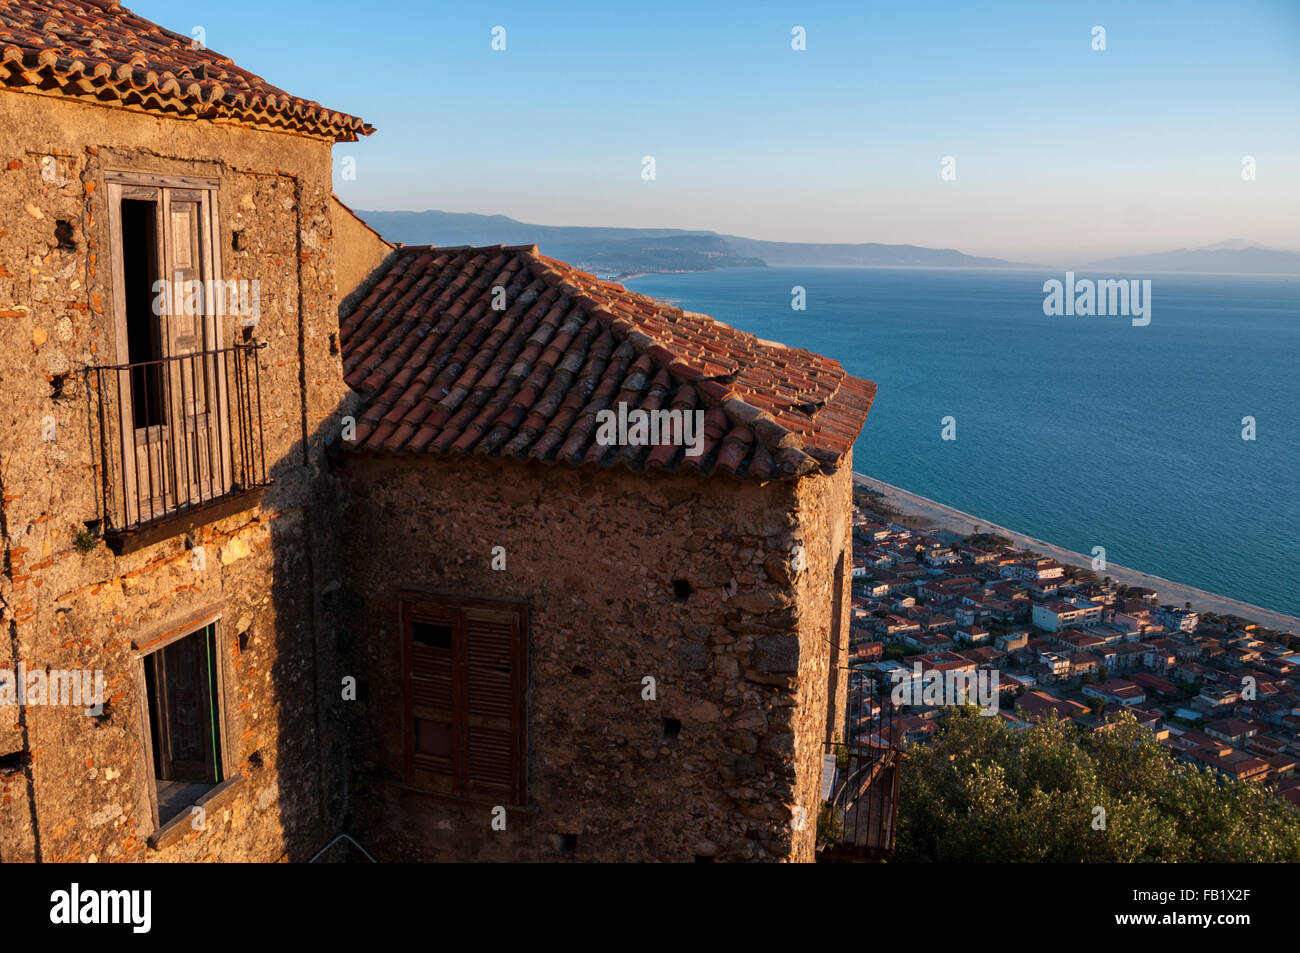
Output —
(1082, 431)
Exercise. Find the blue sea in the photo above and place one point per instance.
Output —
(1081, 431)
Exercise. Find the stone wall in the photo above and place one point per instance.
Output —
(75, 787)
(824, 513)
(740, 661)
(358, 248)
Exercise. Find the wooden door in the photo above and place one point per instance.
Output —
(188, 336)
(172, 414)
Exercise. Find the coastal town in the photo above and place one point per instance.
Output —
(1063, 642)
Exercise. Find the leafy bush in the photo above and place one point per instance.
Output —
(979, 791)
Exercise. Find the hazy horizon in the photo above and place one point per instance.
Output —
(1062, 151)
(1233, 242)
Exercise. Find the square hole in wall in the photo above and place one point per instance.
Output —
(681, 590)
(63, 235)
(431, 635)
(15, 762)
(672, 728)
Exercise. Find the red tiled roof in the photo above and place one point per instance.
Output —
(99, 51)
(443, 372)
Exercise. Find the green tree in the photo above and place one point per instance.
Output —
(981, 792)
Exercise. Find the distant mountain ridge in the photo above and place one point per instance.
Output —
(1224, 258)
(619, 252)
(628, 251)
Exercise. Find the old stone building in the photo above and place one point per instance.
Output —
(362, 553)
(184, 560)
(481, 505)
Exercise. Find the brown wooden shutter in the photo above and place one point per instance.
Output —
(493, 656)
(429, 632)
(466, 691)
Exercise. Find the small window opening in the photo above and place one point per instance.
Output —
(681, 590)
(105, 716)
(15, 762)
(432, 635)
(184, 720)
(568, 844)
(672, 728)
(63, 234)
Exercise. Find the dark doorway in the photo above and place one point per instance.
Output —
(143, 335)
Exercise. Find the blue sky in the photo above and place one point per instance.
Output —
(1061, 151)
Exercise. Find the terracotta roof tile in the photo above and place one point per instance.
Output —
(101, 52)
(445, 365)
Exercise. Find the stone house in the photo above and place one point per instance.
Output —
(185, 560)
(365, 553)
(483, 509)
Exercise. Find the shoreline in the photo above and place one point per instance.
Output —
(941, 516)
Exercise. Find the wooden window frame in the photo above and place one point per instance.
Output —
(458, 785)
(165, 834)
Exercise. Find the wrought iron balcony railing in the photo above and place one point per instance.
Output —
(861, 775)
(180, 441)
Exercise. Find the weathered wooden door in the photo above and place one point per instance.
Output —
(172, 378)
(187, 334)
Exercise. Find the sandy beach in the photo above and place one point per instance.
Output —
(942, 517)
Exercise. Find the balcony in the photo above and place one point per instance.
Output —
(179, 442)
(860, 777)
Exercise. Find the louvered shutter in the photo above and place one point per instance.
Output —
(492, 727)
(466, 690)
(429, 631)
